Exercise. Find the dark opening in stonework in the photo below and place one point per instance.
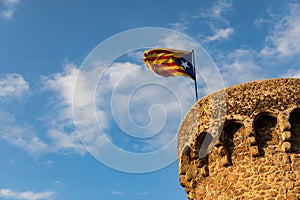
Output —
(295, 130)
(203, 141)
(264, 125)
(186, 154)
(228, 138)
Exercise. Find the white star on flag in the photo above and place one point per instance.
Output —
(185, 64)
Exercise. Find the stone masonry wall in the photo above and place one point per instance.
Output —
(243, 143)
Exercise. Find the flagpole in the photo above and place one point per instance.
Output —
(194, 68)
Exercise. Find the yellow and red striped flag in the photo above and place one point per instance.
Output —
(170, 62)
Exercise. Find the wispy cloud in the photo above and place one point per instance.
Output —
(181, 26)
(130, 84)
(143, 193)
(19, 134)
(120, 99)
(220, 7)
(177, 41)
(60, 135)
(221, 34)
(237, 66)
(218, 10)
(280, 48)
(284, 39)
(282, 43)
(8, 7)
(291, 73)
(60, 125)
(27, 195)
(13, 85)
(218, 22)
(115, 192)
(240, 65)
(215, 17)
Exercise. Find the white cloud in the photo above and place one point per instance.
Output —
(284, 37)
(13, 85)
(60, 125)
(65, 142)
(62, 83)
(292, 74)
(143, 193)
(217, 11)
(281, 47)
(181, 26)
(9, 2)
(115, 192)
(220, 7)
(60, 132)
(27, 195)
(212, 16)
(9, 7)
(8, 14)
(142, 101)
(240, 71)
(20, 135)
(139, 101)
(241, 66)
(126, 95)
(221, 34)
(177, 41)
(215, 18)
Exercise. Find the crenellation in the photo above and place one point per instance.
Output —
(243, 143)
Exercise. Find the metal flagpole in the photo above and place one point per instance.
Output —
(194, 69)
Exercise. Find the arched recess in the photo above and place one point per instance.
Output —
(186, 155)
(202, 144)
(264, 125)
(228, 139)
(295, 130)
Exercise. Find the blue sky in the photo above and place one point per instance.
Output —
(73, 126)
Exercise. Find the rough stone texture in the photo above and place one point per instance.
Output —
(243, 143)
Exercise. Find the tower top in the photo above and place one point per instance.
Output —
(243, 143)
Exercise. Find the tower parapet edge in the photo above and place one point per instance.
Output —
(256, 151)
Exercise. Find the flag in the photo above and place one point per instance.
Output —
(170, 62)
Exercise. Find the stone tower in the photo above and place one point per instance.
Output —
(243, 143)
